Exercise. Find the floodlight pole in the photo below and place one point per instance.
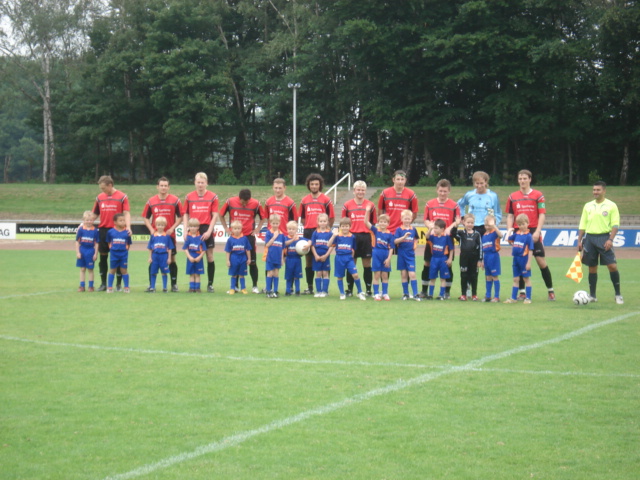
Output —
(295, 87)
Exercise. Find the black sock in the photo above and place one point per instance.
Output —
(615, 279)
(368, 278)
(253, 271)
(464, 282)
(211, 271)
(349, 282)
(173, 272)
(593, 282)
(103, 269)
(308, 271)
(546, 276)
(425, 279)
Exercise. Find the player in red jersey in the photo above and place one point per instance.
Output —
(245, 209)
(280, 204)
(202, 204)
(441, 207)
(532, 203)
(166, 205)
(108, 203)
(311, 206)
(395, 199)
(356, 210)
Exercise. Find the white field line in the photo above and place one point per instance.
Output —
(241, 437)
(553, 372)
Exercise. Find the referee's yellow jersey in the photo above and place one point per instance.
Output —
(598, 218)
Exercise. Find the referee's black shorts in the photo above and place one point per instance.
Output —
(593, 249)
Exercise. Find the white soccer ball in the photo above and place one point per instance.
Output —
(581, 297)
(303, 247)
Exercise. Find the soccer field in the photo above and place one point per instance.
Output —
(184, 386)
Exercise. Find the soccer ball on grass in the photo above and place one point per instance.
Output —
(581, 298)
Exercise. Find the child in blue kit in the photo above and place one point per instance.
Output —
(345, 244)
(321, 252)
(381, 255)
(273, 251)
(491, 258)
(87, 238)
(522, 251)
(293, 261)
(441, 246)
(119, 242)
(195, 248)
(160, 247)
(238, 251)
(406, 241)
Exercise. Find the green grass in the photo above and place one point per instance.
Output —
(96, 385)
(19, 201)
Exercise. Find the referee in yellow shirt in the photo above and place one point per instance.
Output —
(600, 221)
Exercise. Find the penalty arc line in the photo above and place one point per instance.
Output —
(241, 437)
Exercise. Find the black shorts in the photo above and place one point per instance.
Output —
(211, 241)
(363, 249)
(103, 245)
(593, 248)
(252, 242)
(538, 247)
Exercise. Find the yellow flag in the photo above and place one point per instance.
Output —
(575, 270)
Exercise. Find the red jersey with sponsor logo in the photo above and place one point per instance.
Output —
(245, 214)
(531, 204)
(311, 207)
(447, 211)
(107, 206)
(285, 208)
(201, 207)
(393, 203)
(356, 212)
(169, 208)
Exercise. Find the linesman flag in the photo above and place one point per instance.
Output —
(575, 270)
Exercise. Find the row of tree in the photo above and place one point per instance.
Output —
(142, 88)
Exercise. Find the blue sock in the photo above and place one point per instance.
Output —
(233, 283)
(527, 291)
(152, 282)
(414, 287)
(82, 284)
(289, 285)
(297, 283)
(325, 285)
(164, 282)
(385, 288)
(341, 286)
(110, 279)
(318, 285)
(125, 280)
(405, 288)
(375, 289)
(269, 284)
(443, 290)
(431, 289)
(276, 281)
(358, 285)
(197, 285)
(489, 285)
(192, 286)
(243, 284)
(90, 283)
(496, 288)
(514, 293)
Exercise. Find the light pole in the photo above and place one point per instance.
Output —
(295, 87)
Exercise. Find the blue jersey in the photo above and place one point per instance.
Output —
(441, 245)
(384, 241)
(194, 245)
(118, 240)
(238, 247)
(522, 243)
(160, 245)
(87, 238)
(491, 242)
(407, 246)
(320, 240)
(345, 245)
(481, 205)
(274, 251)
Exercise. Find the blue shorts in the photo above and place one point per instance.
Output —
(85, 260)
(163, 267)
(118, 259)
(272, 265)
(438, 266)
(378, 259)
(293, 268)
(342, 263)
(324, 266)
(407, 261)
(196, 268)
(492, 264)
(238, 269)
(520, 267)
